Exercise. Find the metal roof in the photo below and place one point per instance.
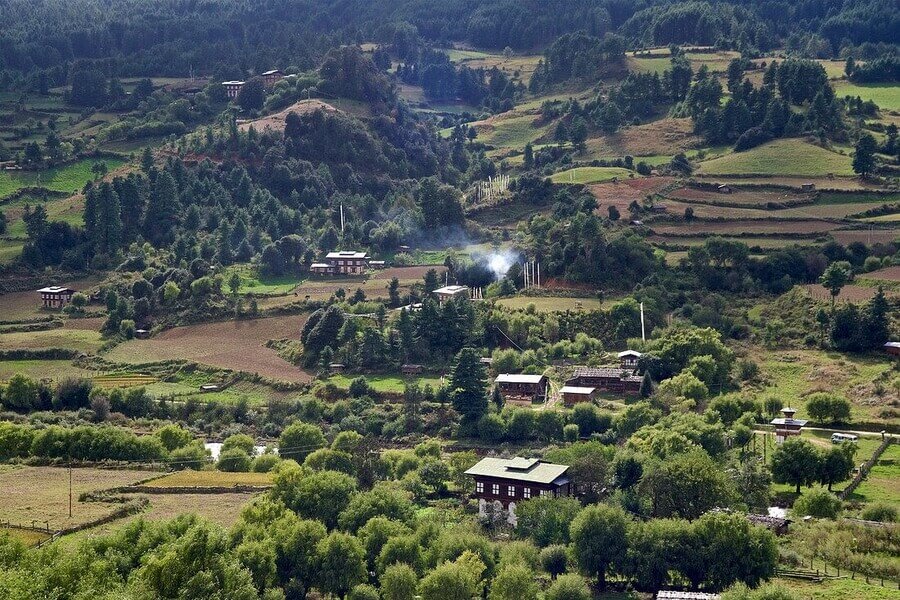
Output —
(625, 353)
(232, 83)
(795, 422)
(55, 289)
(518, 378)
(320, 266)
(520, 469)
(272, 72)
(347, 254)
(892, 345)
(609, 372)
(451, 290)
(675, 595)
(574, 389)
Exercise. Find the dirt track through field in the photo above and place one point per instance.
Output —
(235, 345)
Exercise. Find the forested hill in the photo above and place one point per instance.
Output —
(229, 37)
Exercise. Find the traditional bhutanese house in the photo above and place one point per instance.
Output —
(573, 394)
(411, 369)
(522, 389)
(607, 379)
(678, 595)
(232, 88)
(629, 359)
(272, 77)
(503, 482)
(892, 348)
(55, 296)
(787, 426)
(343, 262)
(336, 367)
(451, 291)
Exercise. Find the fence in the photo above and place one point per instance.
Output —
(864, 470)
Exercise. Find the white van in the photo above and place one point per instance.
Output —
(837, 438)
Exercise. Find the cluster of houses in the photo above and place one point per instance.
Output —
(585, 384)
(270, 78)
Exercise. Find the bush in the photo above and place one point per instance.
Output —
(264, 463)
(234, 460)
(126, 328)
(818, 503)
(359, 387)
(570, 432)
(884, 513)
(568, 587)
(554, 559)
(491, 428)
(363, 592)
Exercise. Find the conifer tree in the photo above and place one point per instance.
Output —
(162, 209)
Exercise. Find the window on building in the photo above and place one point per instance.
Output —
(479, 487)
(544, 492)
(495, 489)
(511, 491)
(526, 493)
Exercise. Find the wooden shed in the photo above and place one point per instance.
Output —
(573, 394)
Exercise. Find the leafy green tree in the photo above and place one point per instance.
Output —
(21, 393)
(514, 582)
(468, 381)
(732, 550)
(399, 582)
(554, 559)
(546, 519)
(837, 464)
(364, 591)
(568, 587)
(341, 562)
(298, 440)
(599, 540)
(824, 407)
(234, 460)
(252, 95)
(796, 462)
(685, 485)
(834, 279)
(459, 580)
(320, 495)
(382, 500)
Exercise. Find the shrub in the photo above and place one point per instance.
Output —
(885, 513)
(359, 387)
(828, 408)
(363, 592)
(240, 441)
(570, 432)
(126, 328)
(264, 463)
(554, 559)
(818, 503)
(234, 460)
(568, 587)
(491, 428)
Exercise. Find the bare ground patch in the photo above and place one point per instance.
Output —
(275, 121)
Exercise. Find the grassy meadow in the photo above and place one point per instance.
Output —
(67, 178)
(586, 175)
(780, 157)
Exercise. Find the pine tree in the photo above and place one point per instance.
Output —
(877, 321)
(468, 381)
(131, 200)
(162, 209)
(147, 160)
(646, 386)
(108, 229)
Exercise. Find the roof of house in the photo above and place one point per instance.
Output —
(676, 595)
(574, 389)
(625, 353)
(232, 83)
(520, 469)
(519, 378)
(273, 72)
(892, 345)
(451, 290)
(347, 254)
(607, 372)
(320, 266)
(55, 289)
(794, 422)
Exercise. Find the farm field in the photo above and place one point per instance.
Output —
(585, 175)
(27, 304)
(235, 345)
(510, 130)
(68, 210)
(80, 340)
(779, 157)
(885, 95)
(866, 236)
(811, 211)
(762, 243)
(385, 383)
(551, 304)
(891, 274)
(663, 138)
(882, 484)
(759, 226)
(42, 494)
(275, 121)
(755, 197)
(189, 478)
(621, 193)
(823, 182)
(849, 293)
(68, 178)
(523, 65)
(29, 537)
(374, 284)
(39, 369)
(793, 374)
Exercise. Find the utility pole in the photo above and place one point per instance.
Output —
(342, 217)
(643, 335)
(70, 487)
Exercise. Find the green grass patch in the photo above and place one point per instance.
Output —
(882, 484)
(780, 157)
(513, 132)
(385, 383)
(840, 589)
(253, 282)
(75, 339)
(37, 369)
(856, 198)
(587, 175)
(68, 178)
(10, 250)
(885, 95)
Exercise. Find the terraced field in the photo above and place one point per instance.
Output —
(124, 380)
(764, 227)
(585, 175)
(69, 178)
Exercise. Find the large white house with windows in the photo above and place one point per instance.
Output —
(503, 482)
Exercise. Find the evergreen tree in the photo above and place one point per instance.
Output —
(877, 318)
(162, 210)
(108, 226)
(147, 160)
(864, 155)
(468, 381)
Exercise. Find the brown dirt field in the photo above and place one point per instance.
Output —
(849, 293)
(86, 324)
(706, 211)
(866, 236)
(276, 121)
(666, 136)
(750, 197)
(409, 273)
(846, 184)
(886, 274)
(745, 226)
(622, 193)
(811, 211)
(42, 494)
(235, 345)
